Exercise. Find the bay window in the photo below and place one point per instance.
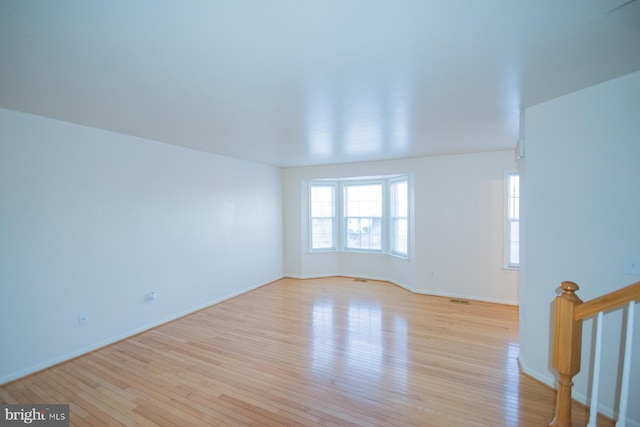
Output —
(360, 214)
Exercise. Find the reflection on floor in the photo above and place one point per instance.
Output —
(331, 351)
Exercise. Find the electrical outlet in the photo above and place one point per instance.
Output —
(632, 265)
(83, 319)
(151, 297)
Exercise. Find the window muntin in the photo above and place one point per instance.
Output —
(323, 212)
(399, 216)
(360, 215)
(363, 216)
(513, 220)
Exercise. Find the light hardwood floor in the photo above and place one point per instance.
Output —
(330, 352)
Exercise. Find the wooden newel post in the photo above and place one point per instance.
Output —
(567, 346)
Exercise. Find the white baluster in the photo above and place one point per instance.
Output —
(626, 368)
(593, 414)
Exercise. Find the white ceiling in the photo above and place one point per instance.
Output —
(296, 82)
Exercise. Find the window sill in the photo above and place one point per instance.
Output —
(355, 251)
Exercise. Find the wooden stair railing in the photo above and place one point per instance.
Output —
(568, 314)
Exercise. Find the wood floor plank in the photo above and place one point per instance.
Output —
(327, 352)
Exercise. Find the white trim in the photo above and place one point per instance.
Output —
(506, 265)
(595, 384)
(391, 240)
(68, 356)
(544, 377)
(549, 380)
(626, 367)
(469, 297)
(408, 288)
(340, 219)
(336, 214)
(311, 277)
(383, 215)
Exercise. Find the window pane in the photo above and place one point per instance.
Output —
(513, 218)
(322, 201)
(363, 200)
(364, 233)
(514, 244)
(515, 184)
(400, 229)
(399, 212)
(322, 233)
(322, 216)
(514, 196)
(363, 212)
(399, 205)
(360, 206)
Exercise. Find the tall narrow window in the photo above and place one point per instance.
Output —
(399, 217)
(513, 220)
(323, 214)
(363, 216)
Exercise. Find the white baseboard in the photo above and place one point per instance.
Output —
(548, 379)
(469, 297)
(411, 289)
(545, 378)
(316, 276)
(88, 349)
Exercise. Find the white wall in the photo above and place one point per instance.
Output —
(91, 221)
(458, 218)
(581, 218)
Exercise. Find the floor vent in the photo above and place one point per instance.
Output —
(458, 301)
(360, 280)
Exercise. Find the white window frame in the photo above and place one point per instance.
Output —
(394, 217)
(507, 223)
(345, 231)
(335, 217)
(340, 229)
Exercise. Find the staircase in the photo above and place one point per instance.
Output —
(569, 312)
